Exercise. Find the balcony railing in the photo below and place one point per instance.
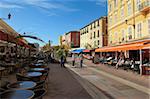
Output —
(144, 6)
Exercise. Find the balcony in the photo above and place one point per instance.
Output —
(144, 7)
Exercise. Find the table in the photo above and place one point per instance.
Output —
(22, 85)
(38, 65)
(38, 69)
(32, 74)
(17, 94)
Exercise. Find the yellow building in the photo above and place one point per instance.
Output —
(128, 20)
(94, 35)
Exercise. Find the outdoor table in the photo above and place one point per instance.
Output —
(17, 94)
(32, 74)
(38, 65)
(22, 85)
(38, 69)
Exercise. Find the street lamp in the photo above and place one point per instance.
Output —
(8, 17)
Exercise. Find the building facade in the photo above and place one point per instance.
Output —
(94, 35)
(128, 20)
(71, 39)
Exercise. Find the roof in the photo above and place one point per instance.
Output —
(93, 22)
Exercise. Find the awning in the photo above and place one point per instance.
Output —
(131, 46)
(77, 51)
(86, 51)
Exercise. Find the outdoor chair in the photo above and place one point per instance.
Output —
(3, 84)
(2, 90)
(22, 78)
(39, 93)
(39, 85)
(136, 68)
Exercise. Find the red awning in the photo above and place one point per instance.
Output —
(86, 51)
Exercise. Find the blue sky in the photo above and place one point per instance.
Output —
(48, 19)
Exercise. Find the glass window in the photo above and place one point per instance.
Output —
(123, 35)
(130, 32)
(115, 17)
(121, 1)
(122, 12)
(98, 33)
(94, 35)
(98, 23)
(98, 42)
(129, 8)
(139, 30)
(110, 7)
(138, 2)
(115, 3)
(149, 26)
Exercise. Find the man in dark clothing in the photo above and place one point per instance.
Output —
(62, 61)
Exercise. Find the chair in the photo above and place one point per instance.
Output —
(2, 90)
(39, 93)
(4, 83)
(22, 78)
(136, 68)
(39, 85)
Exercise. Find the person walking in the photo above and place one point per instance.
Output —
(73, 59)
(62, 61)
(81, 60)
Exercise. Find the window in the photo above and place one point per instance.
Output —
(94, 24)
(94, 35)
(123, 35)
(129, 8)
(98, 23)
(130, 33)
(149, 26)
(98, 33)
(121, 2)
(110, 7)
(115, 3)
(116, 36)
(122, 12)
(91, 26)
(138, 2)
(94, 43)
(115, 17)
(110, 38)
(91, 36)
(98, 42)
(110, 20)
(139, 30)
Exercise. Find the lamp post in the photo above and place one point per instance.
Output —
(8, 17)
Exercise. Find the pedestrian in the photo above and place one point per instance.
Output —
(73, 59)
(62, 61)
(81, 60)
